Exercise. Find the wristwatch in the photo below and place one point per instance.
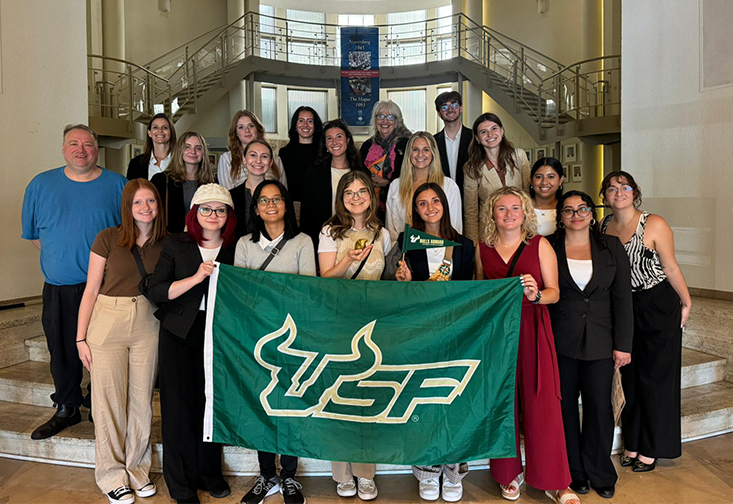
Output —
(538, 298)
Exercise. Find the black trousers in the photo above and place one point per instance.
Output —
(589, 448)
(651, 420)
(188, 462)
(268, 469)
(59, 320)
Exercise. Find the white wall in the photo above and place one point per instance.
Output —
(44, 88)
(150, 33)
(676, 140)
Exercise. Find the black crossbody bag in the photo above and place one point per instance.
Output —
(275, 251)
(143, 286)
(518, 253)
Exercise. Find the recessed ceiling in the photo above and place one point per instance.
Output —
(357, 6)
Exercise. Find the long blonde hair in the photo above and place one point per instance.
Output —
(342, 220)
(235, 146)
(435, 171)
(489, 231)
(177, 170)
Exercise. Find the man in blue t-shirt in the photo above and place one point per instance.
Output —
(63, 210)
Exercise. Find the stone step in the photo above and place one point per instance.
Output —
(707, 410)
(16, 326)
(37, 349)
(699, 368)
(30, 382)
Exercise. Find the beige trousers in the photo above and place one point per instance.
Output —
(123, 338)
(345, 471)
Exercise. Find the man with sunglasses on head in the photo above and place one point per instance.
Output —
(453, 140)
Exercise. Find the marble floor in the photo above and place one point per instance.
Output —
(704, 474)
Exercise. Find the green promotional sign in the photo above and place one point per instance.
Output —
(418, 240)
(361, 371)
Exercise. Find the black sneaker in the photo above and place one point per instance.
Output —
(263, 488)
(121, 495)
(292, 492)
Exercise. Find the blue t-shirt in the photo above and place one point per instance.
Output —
(67, 216)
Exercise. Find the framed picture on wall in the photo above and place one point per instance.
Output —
(212, 159)
(571, 152)
(566, 172)
(528, 152)
(577, 172)
(540, 153)
(135, 150)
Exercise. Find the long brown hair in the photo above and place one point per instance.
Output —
(342, 220)
(273, 172)
(447, 231)
(235, 146)
(129, 232)
(477, 154)
(149, 141)
(177, 170)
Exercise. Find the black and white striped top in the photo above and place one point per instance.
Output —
(646, 269)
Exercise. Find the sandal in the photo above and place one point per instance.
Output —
(512, 490)
(568, 498)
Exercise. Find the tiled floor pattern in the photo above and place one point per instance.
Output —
(704, 474)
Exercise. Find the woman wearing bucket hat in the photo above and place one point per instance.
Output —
(178, 286)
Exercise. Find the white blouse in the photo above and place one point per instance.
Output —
(546, 221)
(581, 270)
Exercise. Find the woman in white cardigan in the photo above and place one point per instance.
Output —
(493, 163)
(421, 164)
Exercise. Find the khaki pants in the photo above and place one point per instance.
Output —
(345, 471)
(123, 338)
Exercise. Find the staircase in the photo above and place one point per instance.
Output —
(550, 100)
(25, 386)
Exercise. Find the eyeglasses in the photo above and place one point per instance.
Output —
(614, 190)
(266, 201)
(583, 212)
(389, 117)
(206, 211)
(349, 195)
(451, 105)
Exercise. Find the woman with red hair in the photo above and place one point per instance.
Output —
(178, 286)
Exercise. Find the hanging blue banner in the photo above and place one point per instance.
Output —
(359, 74)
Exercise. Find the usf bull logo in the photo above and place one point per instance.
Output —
(356, 386)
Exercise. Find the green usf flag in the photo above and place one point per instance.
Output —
(418, 240)
(361, 371)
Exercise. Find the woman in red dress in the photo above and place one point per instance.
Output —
(510, 230)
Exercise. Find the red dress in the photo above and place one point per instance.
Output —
(538, 384)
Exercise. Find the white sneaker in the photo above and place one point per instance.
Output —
(347, 489)
(121, 495)
(367, 489)
(146, 491)
(452, 492)
(429, 489)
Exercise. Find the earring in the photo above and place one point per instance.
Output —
(560, 225)
(592, 222)
(560, 188)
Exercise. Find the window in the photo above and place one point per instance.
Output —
(406, 36)
(269, 108)
(350, 20)
(306, 37)
(267, 25)
(444, 33)
(412, 104)
(445, 20)
(398, 28)
(317, 100)
(406, 53)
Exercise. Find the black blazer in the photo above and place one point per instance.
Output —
(138, 168)
(172, 200)
(315, 206)
(589, 324)
(179, 259)
(462, 269)
(466, 136)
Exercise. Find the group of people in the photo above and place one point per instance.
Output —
(127, 263)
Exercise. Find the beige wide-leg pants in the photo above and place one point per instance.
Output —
(345, 471)
(123, 338)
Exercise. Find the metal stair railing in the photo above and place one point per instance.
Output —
(122, 89)
(549, 92)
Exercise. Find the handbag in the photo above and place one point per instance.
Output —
(144, 285)
(275, 251)
(618, 399)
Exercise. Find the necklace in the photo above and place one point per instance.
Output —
(621, 230)
(507, 245)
